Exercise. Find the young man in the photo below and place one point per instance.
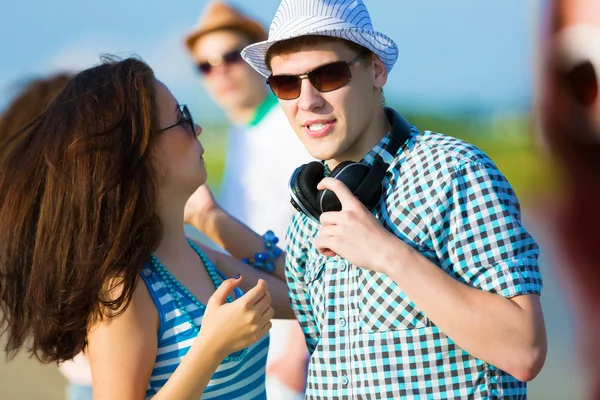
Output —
(259, 138)
(434, 291)
(262, 152)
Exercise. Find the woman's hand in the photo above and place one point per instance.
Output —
(231, 327)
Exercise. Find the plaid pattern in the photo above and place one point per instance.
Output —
(367, 339)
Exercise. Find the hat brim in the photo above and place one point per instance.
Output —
(381, 45)
(254, 31)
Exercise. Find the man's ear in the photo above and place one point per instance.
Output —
(379, 72)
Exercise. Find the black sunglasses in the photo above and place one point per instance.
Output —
(227, 58)
(325, 78)
(186, 121)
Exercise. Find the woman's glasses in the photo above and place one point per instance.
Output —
(186, 121)
(325, 78)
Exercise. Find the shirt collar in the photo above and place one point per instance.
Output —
(379, 150)
(262, 110)
(369, 159)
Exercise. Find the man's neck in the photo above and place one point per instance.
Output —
(376, 131)
(241, 115)
(247, 115)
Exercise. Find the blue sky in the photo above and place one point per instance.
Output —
(454, 55)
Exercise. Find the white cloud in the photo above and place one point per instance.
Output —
(166, 56)
(83, 53)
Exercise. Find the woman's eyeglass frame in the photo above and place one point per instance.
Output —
(186, 119)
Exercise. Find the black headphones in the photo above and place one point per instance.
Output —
(364, 181)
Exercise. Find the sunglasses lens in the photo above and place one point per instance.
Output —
(204, 68)
(285, 87)
(232, 57)
(325, 79)
(330, 77)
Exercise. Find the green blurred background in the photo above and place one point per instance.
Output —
(508, 140)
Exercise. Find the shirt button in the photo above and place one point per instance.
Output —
(342, 322)
(345, 380)
(343, 266)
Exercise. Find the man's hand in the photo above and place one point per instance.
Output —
(353, 233)
(198, 206)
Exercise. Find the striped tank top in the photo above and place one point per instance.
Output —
(241, 379)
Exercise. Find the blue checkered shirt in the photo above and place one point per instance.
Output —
(367, 339)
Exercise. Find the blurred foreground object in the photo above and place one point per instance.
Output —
(571, 126)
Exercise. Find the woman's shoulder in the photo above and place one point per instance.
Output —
(139, 305)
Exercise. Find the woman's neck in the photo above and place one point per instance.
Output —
(173, 243)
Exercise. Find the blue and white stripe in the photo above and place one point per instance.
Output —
(243, 379)
(345, 19)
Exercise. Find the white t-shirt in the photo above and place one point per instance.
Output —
(260, 161)
(77, 370)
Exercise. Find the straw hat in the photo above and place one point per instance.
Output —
(217, 16)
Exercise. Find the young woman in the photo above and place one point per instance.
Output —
(93, 254)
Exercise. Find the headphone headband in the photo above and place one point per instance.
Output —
(400, 133)
(365, 181)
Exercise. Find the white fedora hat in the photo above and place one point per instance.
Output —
(345, 19)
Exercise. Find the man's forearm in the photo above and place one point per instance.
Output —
(235, 237)
(507, 333)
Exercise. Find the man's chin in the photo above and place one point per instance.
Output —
(319, 154)
(228, 99)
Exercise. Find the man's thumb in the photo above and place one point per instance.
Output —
(224, 290)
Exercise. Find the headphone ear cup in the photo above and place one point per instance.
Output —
(340, 167)
(351, 174)
(304, 186)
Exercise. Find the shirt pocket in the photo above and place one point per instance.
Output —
(314, 281)
(384, 306)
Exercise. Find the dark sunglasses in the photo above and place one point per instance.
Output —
(325, 78)
(186, 121)
(227, 58)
